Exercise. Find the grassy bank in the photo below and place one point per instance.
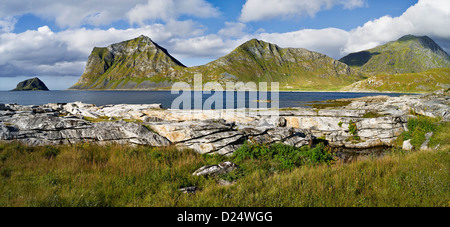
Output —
(122, 176)
(421, 82)
(275, 176)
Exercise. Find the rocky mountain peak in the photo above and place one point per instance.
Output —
(423, 42)
(259, 48)
(139, 44)
(138, 58)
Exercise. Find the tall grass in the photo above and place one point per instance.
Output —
(269, 176)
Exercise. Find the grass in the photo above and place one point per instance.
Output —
(420, 82)
(372, 114)
(88, 175)
(106, 119)
(421, 125)
(326, 104)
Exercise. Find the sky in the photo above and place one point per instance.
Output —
(53, 39)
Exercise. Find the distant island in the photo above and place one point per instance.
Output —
(142, 64)
(34, 84)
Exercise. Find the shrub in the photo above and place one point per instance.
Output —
(352, 128)
(284, 156)
(318, 155)
(418, 127)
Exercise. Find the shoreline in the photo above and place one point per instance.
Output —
(284, 91)
(377, 121)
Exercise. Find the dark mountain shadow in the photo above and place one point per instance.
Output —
(358, 59)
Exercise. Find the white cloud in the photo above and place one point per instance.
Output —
(73, 14)
(427, 17)
(68, 13)
(44, 52)
(170, 10)
(233, 29)
(328, 41)
(7, 24)
(209, 47)
(256, 10)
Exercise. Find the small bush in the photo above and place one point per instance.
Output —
(284, 156)
(319, 155)
(418, 127)
(352, 128)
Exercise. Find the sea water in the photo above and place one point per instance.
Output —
(165, 98)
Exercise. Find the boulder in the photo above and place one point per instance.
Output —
(407, 146)
(189, 190)
(424, 146)
(3, 107)
(41, 129)
(222, 168)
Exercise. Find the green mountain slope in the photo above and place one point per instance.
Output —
(142, 64)
(409, 54)
(124, 65)
(293, 68)
(430, 80)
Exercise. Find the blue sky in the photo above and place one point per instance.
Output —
(52, 39)
(230, 10)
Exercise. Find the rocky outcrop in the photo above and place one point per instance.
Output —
(34, 84)
(365, 123)
(219, 169)
(43, 126)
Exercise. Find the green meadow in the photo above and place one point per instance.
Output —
(89, 175)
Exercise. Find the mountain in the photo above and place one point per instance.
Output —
(137, 60)
(34, 84)
(409, 54)
(142, 64)
(293, 68)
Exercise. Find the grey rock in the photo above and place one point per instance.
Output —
(281, 122)
(3, 107)
(223, 182)
(214, 142)
(215, 131)
(424, 146)
(189, 190)
(41, 129)
(407, 146)
(222, 168)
